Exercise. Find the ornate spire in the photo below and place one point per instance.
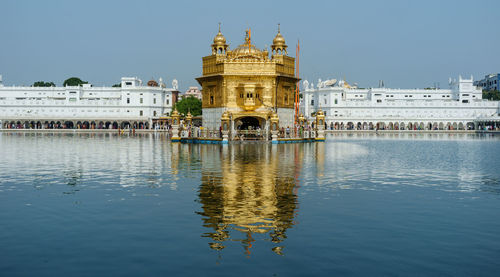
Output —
(219, 45)
(279, 46)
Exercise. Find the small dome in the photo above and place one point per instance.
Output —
(279, 39)
(152, 83)
(219, 39)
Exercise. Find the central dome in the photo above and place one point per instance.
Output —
(246, 49)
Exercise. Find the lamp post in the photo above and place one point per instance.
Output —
(225, 121)
(274, 128)
(320, 125)
(175, 126)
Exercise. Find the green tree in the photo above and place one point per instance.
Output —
(74, 81)
(189, 104)
(117, 85)
(44, 84)
(491, 94)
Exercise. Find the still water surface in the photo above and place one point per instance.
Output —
(100, 205)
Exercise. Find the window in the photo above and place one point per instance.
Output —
(140, 100)
(379, 101)
(168, 102)
(128, 83)
(128, 100)
(312, 102)
(336, 102)
(154, 113)
(211, 99)
(140, 113)
(154, 100)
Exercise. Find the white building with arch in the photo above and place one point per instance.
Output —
(346, 108)
(133, 105)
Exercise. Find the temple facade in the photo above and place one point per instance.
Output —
(248, 86)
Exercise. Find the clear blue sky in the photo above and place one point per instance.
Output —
(406, 43)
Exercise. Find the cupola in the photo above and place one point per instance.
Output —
(219, 46)
(279, 46)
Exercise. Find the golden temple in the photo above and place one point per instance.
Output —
(248, 86)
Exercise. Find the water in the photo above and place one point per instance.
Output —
(100, 205)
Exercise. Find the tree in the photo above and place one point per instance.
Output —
(491, 94)
(189, 104)
(74, 81)
(44, 84)
(117, 85)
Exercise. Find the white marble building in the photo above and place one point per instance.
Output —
(131, 105)
(459, 108)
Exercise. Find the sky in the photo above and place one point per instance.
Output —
(408, 44)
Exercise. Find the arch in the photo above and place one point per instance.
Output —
(402, 126)
(421, 126)
(85, 125)
(441, 126)
(146, 125)
(470, 126)
(380, 126)
(448, 126)
(92, 125)
(115, 125)
(429, 126)
(69, 124)
(248, 123)
(100, 125)
(391, 126)
(358, 126)
(460, 126)
(370, 126)
(396, 126)
(125, 125)
(455, 125)
(365, 126)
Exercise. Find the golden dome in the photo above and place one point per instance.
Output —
(219, 39)
(279, 46)
(246, 49)
(279, 39)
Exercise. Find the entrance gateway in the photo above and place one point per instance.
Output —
(244, 88)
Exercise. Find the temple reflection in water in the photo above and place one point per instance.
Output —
(253, 193)
(248, 192)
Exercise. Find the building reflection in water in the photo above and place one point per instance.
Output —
(248, 193)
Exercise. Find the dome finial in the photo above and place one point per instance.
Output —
(278, 27)
(219, 27)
